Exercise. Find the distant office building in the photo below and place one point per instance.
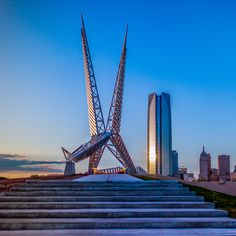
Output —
(205, 166)
(224, 167)
(159, 140)
(191, 175)
(175, 162)
(233, 176)
(182, 173)
(183, 169)
(214, 175)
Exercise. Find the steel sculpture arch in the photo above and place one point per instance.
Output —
(102, 136)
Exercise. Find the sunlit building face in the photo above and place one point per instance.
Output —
(159, 151)
(152, 147)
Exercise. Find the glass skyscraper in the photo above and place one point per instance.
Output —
(159, 151)
(175, 162)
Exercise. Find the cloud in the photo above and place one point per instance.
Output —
(17, 162)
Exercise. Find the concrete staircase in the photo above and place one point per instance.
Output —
(52, 205)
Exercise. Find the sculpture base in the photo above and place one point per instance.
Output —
(69, 168)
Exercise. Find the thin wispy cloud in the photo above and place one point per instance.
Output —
(17, 162)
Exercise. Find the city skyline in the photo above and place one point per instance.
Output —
(222, 172)
(185, 49)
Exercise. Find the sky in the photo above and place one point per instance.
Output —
(185, 48)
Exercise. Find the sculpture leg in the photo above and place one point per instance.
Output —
(69, 168)
(95, 159)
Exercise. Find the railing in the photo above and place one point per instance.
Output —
(113, 170)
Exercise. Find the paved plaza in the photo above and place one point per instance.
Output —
(227, 188)
(108, 178)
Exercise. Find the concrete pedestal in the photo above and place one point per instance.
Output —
(69, 168)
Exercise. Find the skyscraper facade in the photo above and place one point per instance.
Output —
(224, 167)
(175, 162)
(205, 166)
(214, 175)
(159, 146)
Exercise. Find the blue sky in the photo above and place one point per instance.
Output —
(185, 48)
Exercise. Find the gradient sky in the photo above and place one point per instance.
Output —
(185, 48)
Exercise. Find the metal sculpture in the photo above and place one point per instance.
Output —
(102, 136)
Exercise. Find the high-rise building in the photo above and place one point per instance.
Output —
(205, 166)
(182, 171)
(233, 174)
(214, 175)
(224, 167)
(159, 146)
(175, 162)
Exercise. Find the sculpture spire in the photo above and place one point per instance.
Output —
(96, 121)
(115, 112)
(117, 146)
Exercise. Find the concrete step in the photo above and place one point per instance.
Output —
(58, 183)
(115, 223)
(100, 193)
(113, 205)
(51, 205)
(78, 181)
(126, 232)
(108, 188)
(101, 198)
(110, 213)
